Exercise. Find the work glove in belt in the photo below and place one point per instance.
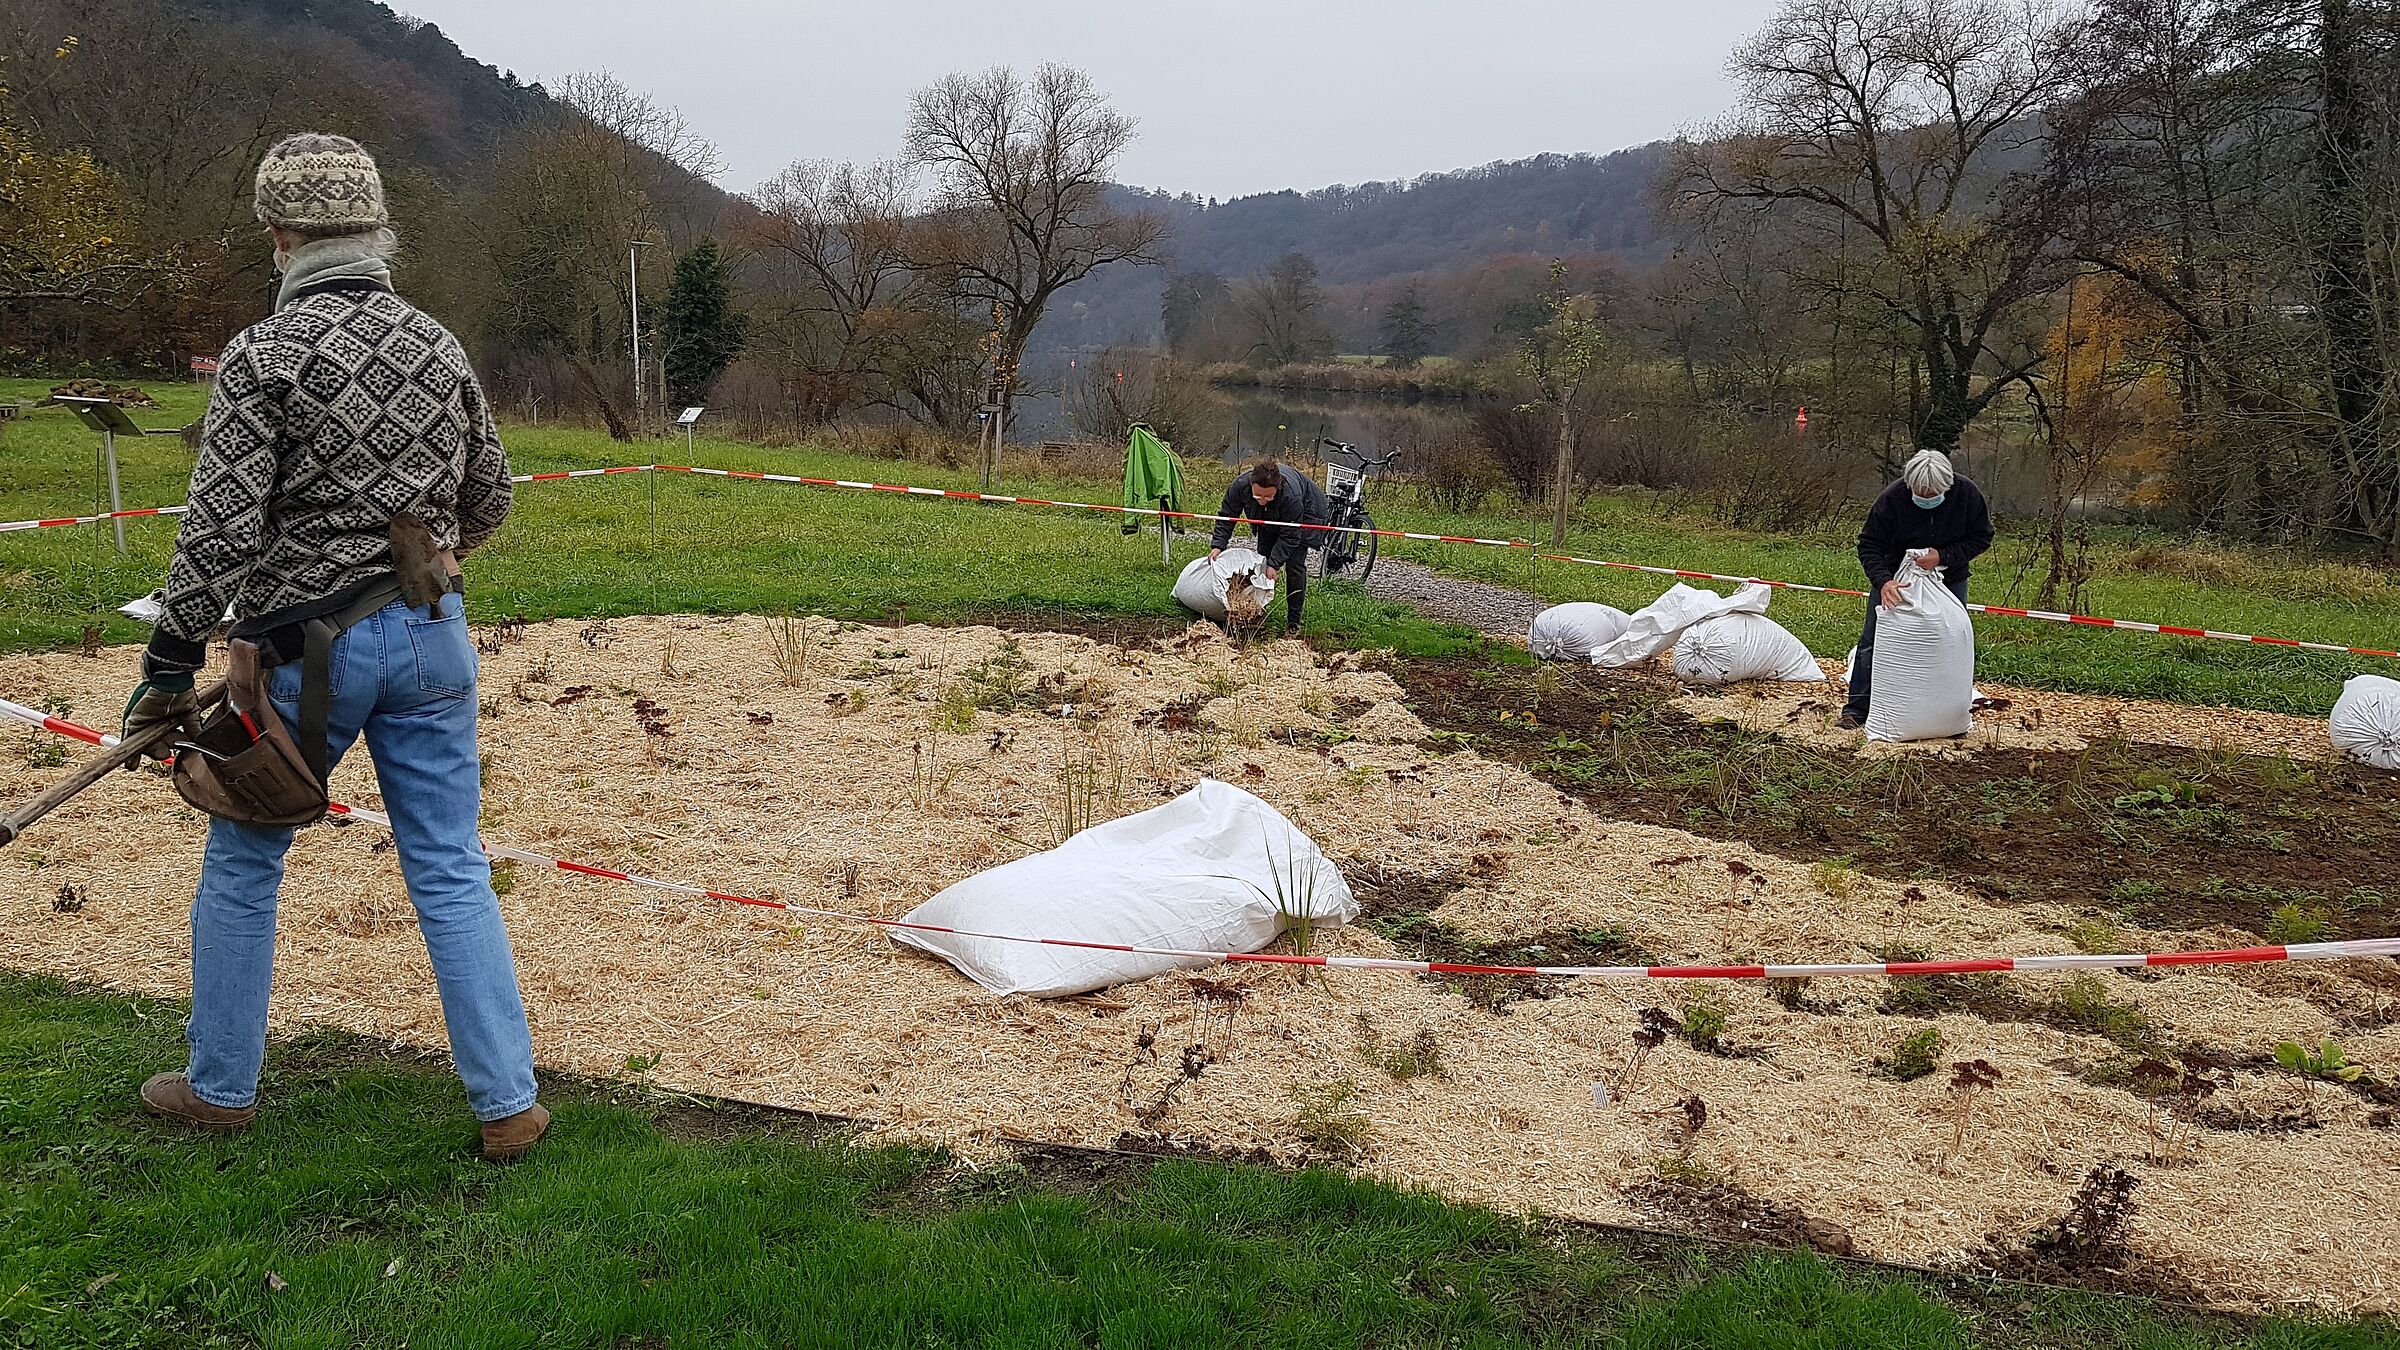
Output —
(164, 697)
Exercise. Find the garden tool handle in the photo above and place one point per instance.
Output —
(110, 759)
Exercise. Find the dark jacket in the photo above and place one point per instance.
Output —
(1961, 527)
(1298, 501)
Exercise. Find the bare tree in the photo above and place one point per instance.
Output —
(1558, 358)
(1023, 167)
(1912, 123)
(831, 242)
(1284, 309)
(1110, 392)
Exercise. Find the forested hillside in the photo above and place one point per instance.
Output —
(1367, 241)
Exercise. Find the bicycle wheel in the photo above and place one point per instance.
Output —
(1367, 568)
(1339, 548)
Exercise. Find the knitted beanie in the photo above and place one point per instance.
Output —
(1928, 473)
(318, 184)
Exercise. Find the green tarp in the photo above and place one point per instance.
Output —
(1153, 476)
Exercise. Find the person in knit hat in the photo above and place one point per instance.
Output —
(347, 437)
(1930, 507)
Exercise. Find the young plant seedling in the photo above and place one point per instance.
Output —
(1657, 1024)
(1215, 1005)
(1969, 1079)
(2325, 1064)
(1917, 1055)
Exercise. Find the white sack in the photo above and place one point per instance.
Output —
(1187, 875)
(1201, 588)
(1850, 672)
(1573, 632)
(1737, 647)
(1655, 626)
(1924, 662)
(2366, 721)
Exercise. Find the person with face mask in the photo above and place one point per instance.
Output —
(1931, 507)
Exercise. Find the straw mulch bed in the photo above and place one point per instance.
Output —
(833, 788)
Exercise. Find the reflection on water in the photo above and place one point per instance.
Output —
(1240, 424)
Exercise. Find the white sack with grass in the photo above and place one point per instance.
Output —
(1572, 632)
(1215, 870)
(1201, 587)
(2366, 721)
(1655, 626)
(1736, 647)
(1924, 662)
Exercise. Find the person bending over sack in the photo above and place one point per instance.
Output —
(1931, 507)
(1276, 498)
(346, 439)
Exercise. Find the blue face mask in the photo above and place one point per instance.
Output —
(1929, 503)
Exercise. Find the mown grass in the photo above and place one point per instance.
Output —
(682, 544)
(654, 543)
(355, 1215)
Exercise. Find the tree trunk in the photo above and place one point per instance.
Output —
(1563, 476)
(617, 430)
(2342, 268)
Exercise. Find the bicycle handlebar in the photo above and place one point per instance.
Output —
(1369, 461)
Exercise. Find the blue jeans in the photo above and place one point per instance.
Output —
(406, 678)
(1862, 671)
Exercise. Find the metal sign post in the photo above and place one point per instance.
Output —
(105, 417)
(690, 416)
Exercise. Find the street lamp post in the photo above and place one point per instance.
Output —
(633, 292)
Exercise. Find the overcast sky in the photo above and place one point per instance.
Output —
(1233, 96)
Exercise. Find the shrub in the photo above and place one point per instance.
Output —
(1456, 476)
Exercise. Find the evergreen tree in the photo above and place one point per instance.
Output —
(702, 332)
(1407, 332)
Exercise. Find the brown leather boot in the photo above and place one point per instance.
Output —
(170, 1095)
(507, 1139)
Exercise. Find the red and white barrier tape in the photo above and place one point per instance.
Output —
(2307, 951)
(8, 525)
(2042, 615)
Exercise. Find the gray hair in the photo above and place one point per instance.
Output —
(1928, 473)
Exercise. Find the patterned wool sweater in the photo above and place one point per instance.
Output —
(345, 408)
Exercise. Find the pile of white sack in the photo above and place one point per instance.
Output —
(1202, 586)
(2366, 721)
(1717, 639)
(1215, 870)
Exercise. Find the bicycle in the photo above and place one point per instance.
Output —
(1346, 470)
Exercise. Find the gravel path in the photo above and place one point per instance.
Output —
(1496, 610)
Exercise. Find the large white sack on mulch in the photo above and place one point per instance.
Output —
(1924, 662)
(1736, 647)
(1202, 873)
(1201, 588)
(2366, 721)
(1572, 632)
(1654, 627)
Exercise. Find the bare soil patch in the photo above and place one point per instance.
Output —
(2121, 832)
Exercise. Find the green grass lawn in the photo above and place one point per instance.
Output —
(650, 1220)
(687, 544)
(652, 543)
